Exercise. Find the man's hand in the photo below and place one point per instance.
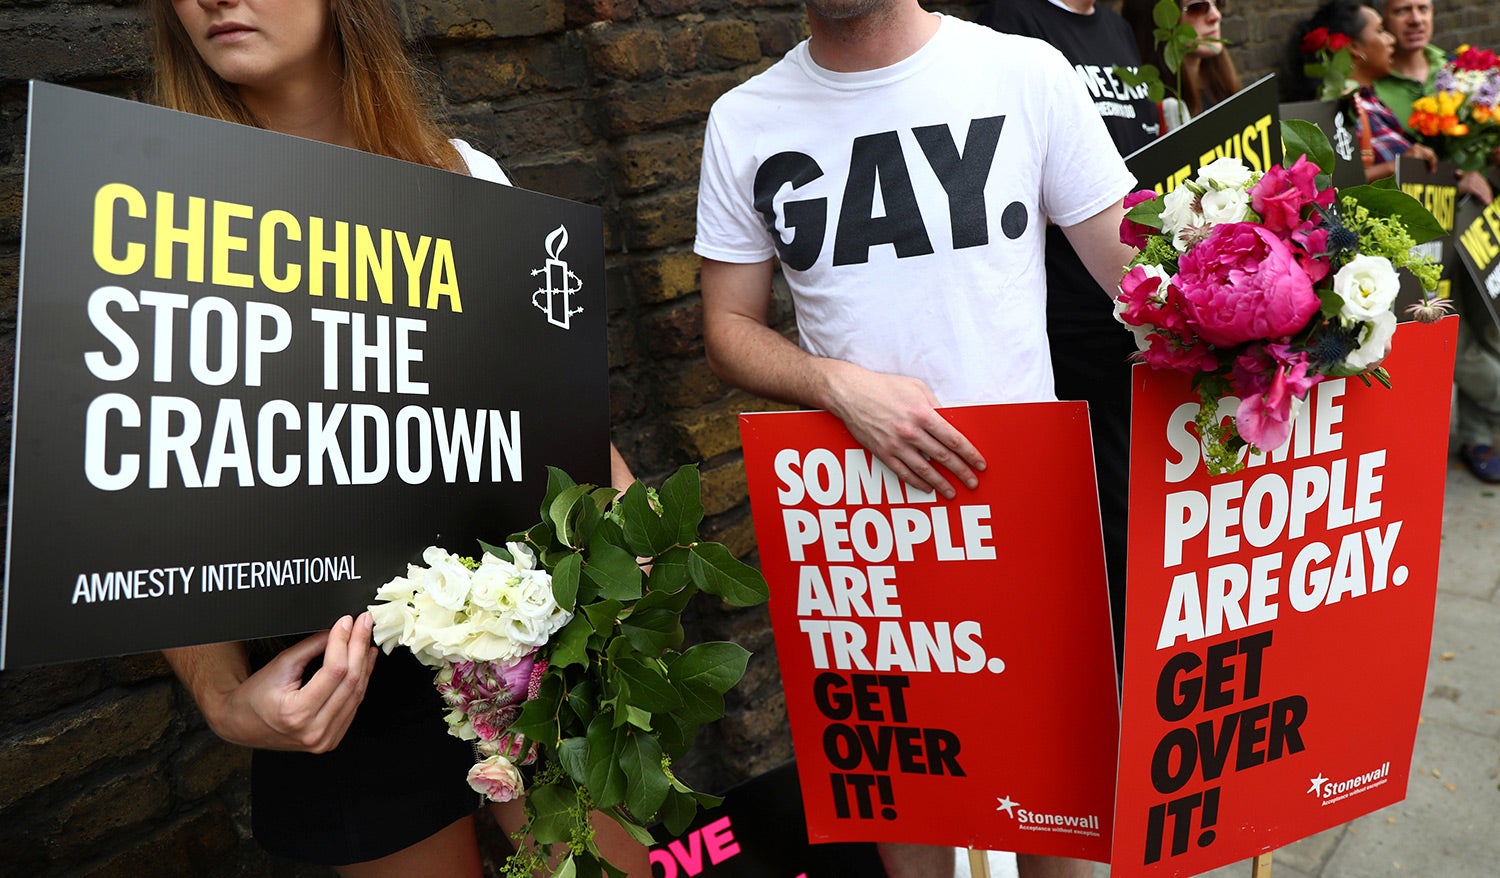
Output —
(273, 709)
(891, 415)
(895, 418)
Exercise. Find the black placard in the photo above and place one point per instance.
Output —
(1338, 123)
(304, 489)
(1243, 126)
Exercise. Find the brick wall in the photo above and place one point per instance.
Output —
(106, 767)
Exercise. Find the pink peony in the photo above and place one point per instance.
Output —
(1283, 193)
(1243, 283)
(1167, 352)
(496, 779)
(1132, 233)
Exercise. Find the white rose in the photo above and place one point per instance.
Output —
(1378, 332)
(1368, 286)
(1225, 173)
(446, 578)
(1225, 206)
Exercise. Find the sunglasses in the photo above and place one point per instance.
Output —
(1199, 8)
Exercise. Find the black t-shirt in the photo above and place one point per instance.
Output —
(1094, 45)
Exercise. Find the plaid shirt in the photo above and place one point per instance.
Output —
(1387, 137)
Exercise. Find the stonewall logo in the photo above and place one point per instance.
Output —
(1037, 821)
(1330, 791)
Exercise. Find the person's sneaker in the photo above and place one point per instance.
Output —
(1482, 461)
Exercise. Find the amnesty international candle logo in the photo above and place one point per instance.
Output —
(244, 397)
(555, 299)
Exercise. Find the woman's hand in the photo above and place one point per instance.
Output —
(1423, 152)
(273, 709)
(1473, 183)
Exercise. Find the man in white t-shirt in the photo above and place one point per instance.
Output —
(903, 167)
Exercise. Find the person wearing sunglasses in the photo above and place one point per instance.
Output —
(1207, 73)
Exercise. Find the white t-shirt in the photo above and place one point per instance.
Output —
(908, 204)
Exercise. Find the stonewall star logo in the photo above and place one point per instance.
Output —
(1334, 791)
(1085, 824)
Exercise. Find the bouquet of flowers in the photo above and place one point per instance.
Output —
(1331, 63)
(1262, 285)
(562, 650)
(1460, 120)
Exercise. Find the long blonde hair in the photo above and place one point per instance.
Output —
(382, 103)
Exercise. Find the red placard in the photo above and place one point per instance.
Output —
(948, 666)
(1278, 620)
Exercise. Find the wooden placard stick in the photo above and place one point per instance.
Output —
(1261, 866)
(979, 864)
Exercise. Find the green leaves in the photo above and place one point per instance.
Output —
(1299, 138)
(1395, 204)
(716, 571)
(618, 700)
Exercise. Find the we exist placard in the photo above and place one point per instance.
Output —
(1278, 620)
(948, 665)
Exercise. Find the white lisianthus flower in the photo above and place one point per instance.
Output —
(1178, 210)
(525, 558)
(1368, 286)
(1377, 339)
(394, 623)
(1225, 173)
(495, 585)
(446, 578)
(1225, 206)
(429, 617)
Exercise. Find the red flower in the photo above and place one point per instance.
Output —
(1132, 233)
(1315, 41)
(1337, 41)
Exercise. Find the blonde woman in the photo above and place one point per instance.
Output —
(353, 767)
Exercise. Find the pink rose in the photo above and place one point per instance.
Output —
(496, 779)
(1132, 233)
(1243, 283)
(1283, 193)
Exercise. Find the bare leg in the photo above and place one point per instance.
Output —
(1033, 866)
(452, 852)
(916, 860)
(614, 843)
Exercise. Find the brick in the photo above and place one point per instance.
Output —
(132, 669)
(656, 160)
(84, 42)
(690, 383)
(735, 530)
(582, 12)
(618, 53)
(485, 72)
(72, 744)
(26, 694)
(675, 331)
(778, 36)
(632, 109)
(208, 763)
(724, 486)
(730, 43)
(106, 811)
(660, 220)
(708, 431)
(684, 40)
(575, 175)
(666, 276)
(189, 847)
(533, 126)
(671, 7)
(486, 19)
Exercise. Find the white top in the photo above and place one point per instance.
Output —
(908, 204)
(480, 165)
